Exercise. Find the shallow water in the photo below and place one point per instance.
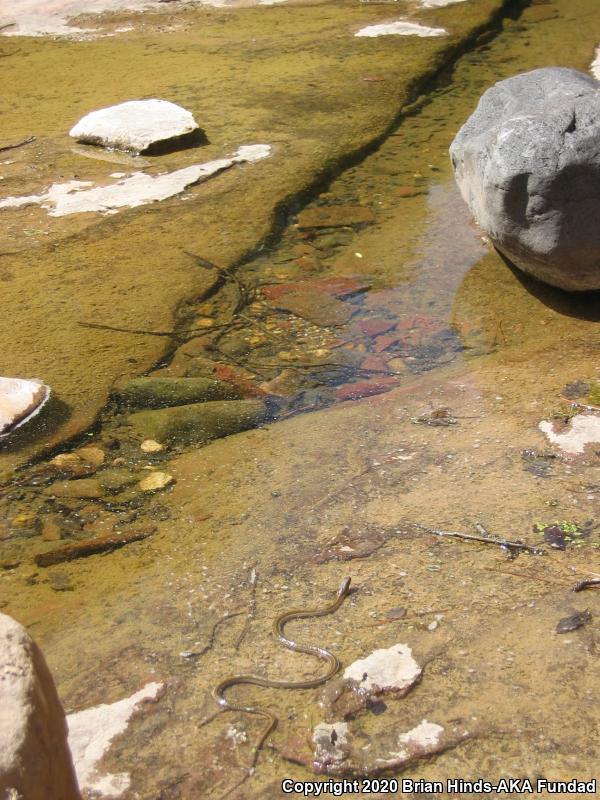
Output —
(295, 500)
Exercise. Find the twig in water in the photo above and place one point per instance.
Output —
(405, 619)
(505, 544)
(251, 609)
(213, 633)
(261, 327)
(579, 587)
(24, 141)
(244, 294)
(142, 332)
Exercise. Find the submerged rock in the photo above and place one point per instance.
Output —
(528, 165)
(162, 392)
(387, 670)
(91, 733)
(584, 429)
(141, 126)
(156, 481)
(133, 190)
(199, 422)
(317, 307)
(35, 761)
(20, 400)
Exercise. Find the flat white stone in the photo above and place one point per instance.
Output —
(392, 669)
(400, 28)
(584, 430)
(595, 65)
(137, 189)
(426, 734)
(20, 400)
(90, 735)
(136, 125)
(438, 3)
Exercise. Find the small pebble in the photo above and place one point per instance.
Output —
(151, 446)
(156, 481)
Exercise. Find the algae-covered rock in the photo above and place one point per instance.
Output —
(199, 422)
(163, 392)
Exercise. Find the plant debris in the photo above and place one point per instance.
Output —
(575, 621)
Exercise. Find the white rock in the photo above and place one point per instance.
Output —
(54, 17)
(424, 738)
(20, 400)
(595, 65)
(391, 669)
(138, 189)
(90, 735)
(138, 126)
(438, 3)
(35, 762)
(426, 734)
(584, 430)
(401, 28)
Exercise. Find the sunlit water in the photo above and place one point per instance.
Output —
(263, 522)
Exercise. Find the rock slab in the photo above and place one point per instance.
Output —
(140, 126)
(527, 163)
(35, 760)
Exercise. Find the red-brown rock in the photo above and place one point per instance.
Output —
(353, 391)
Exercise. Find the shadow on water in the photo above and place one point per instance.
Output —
(52, 416)
(580, 305)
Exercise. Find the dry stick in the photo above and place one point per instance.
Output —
(522, 575)
(90, 547)
(507, 544)
(7, 25)
(251, 609)
(17, 144)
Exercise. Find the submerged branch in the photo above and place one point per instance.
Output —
(505, 544)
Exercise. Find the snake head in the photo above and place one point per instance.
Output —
(344, 587)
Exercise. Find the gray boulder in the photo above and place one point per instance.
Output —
(527, 163)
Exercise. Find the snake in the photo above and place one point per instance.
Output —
(279, 624)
